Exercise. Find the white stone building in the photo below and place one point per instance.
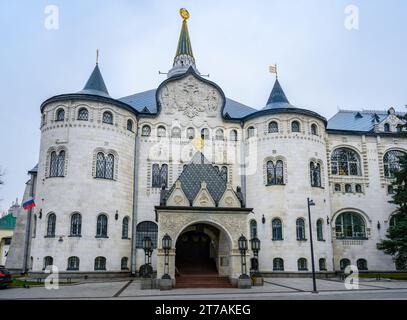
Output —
(186, 161)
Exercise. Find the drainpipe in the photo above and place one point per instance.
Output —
(135, 205)
(243, 163)
(27, 247)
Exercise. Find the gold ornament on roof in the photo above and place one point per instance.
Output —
(184, 13)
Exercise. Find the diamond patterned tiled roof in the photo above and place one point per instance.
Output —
(197, 171)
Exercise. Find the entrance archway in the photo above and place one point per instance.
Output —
(197, 250)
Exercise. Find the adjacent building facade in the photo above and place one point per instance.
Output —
(186, 161)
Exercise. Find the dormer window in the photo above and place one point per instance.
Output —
(387, 127)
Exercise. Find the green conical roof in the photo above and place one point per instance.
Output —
(184, 42)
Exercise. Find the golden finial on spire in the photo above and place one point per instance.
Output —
(184, 13)
(273, 69)
(97, 56)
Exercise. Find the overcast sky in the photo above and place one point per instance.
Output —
(322, 64)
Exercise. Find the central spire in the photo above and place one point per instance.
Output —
(184, 58)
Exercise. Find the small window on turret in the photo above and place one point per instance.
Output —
(60, 115)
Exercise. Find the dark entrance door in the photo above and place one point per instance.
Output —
(193, 254)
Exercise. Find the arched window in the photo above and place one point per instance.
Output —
(61, 164)
(76, 225)
(224, 173)
(104, 166)
(176, 132)
(300, 224)
(164, 175)
(362, 264)
(277, 229)
(130, 125)
(217, 169)
(205, 134)
(320, 230)
(124, 263)
(101, 226)
(146, 229)
(100, 263)
(73, 264)
(315, 172)
(156, 176)
(350, 225)
(386, 127)
(219, 134)
(125, 228)
(34, 233)
(233, 135)
(278, 264)
(60, 115)
(295, 126)
(253, 229)
(161, 132)
(275, 173)
(302, 264)
(83, 114)
(48, 261)
(391, 162)
(344, 263)
(348, 188)
(358, 188)
(251, 132)
(51, 223)
(190, 133)
(314, 129)
(338, 187)
(345, 162)
(57, 164)
(273, 127)
(145, 131)
(107, 117)
(322, 264)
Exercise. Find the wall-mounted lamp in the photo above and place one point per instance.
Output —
(40, 214)
(116, 216)
(327, 220)
(378, 225)
(263, 219)
(60, 239)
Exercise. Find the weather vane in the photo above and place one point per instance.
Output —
(184, 13)
(273, 69)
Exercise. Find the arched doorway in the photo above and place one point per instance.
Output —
(197, 250)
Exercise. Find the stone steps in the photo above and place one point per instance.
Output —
(202, 281)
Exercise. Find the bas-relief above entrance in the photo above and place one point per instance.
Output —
(190, 97)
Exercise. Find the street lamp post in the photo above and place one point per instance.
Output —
(146, 269)
(255, 243)
(314, 282)
(166, 243)
(243, 248)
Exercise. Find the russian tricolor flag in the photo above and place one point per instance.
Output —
(29, 204)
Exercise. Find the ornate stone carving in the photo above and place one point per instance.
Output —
(191, 97)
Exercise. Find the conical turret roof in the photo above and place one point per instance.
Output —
(96, 84)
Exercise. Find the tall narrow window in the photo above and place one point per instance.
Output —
(51, 225)
(190, 133)
(320, 232)
(277, 229)
(273, 127)
(83, 114)
(107, 117)
(270, 173)
(164, 175)
(322, 264)
(279, 172)
(302, 264)
(61, 164)
(161, 132)
(391, 162)
(146, 131)
(100, 263)
(105, 166)
(205, 134)
(125, 228)
(130, 125)
(124, 263)
(109, 167)
(345, 162)
(156, 176)
(253, 229)
(219, 134)
(315, 171)
(73, 264)
(233, 135)
(275, 173)
(57, 164)
(300, 229)
(251, 132)
(101, 227)
(295, 126)
(76, 225)
(224, 173)
(176, 132)
(314, 129)
(60, 115)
